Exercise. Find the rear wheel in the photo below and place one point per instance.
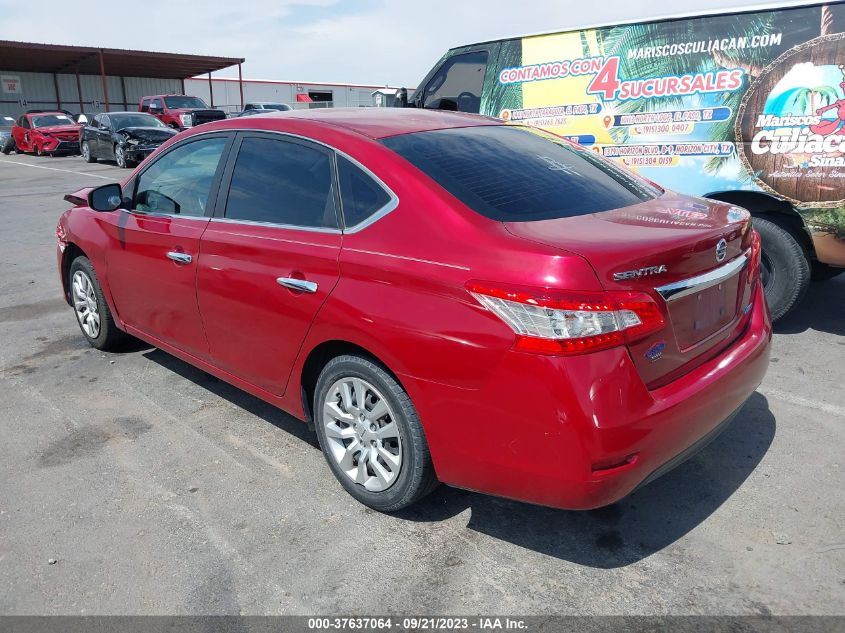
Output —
(92, 312)
(785, 269)
(86, 153)
(371, 435)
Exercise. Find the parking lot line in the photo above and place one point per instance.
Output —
(68, 171)
(803, 402)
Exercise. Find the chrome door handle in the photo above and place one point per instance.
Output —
(297, 284)
(180, 258)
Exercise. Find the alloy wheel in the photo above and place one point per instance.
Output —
(85, 304)
(362, 433)
(86, 151)
(119, 156)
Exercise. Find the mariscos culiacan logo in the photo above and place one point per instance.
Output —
(791, 124)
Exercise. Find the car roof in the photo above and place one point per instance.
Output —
(383, 122)
(43, 112)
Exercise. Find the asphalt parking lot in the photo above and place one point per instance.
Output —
(132, 483)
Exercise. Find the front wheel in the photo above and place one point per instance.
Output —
(120, 157)
(86, 153)
(785, 270)
(92, 312)
(8, 146)
(371, 435)
(39, 151)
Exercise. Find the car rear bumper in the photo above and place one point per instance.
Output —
(583, 432)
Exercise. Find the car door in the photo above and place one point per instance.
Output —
(92, 136)
(270, 256)
(154, 246)
(21, 133)
(103, 133)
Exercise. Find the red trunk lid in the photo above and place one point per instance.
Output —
(665, 243)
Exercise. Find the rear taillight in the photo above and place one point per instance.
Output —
(756, 250)
(559, 322)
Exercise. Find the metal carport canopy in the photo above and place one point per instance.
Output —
(53, 58)
(114, 62)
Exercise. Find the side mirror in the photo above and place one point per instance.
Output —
(105, 198)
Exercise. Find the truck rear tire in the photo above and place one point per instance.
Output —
(785, 268)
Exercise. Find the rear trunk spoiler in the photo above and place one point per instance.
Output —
(79, 198)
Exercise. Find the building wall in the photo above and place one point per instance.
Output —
(227, 93)
(38, 90)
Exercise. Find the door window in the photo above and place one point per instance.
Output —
(145, 105)
(157, 103)
(179, 182)
(282, 182)
(458, 83)
(360, 195)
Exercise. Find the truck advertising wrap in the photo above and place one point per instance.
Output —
(730, 102)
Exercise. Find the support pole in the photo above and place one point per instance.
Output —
(58, 96)
(123, 90)
(79, 93)
(210, 91)
(103, 79)
(241, 84)
(182, 81)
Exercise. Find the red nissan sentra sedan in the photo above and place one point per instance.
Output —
(444, 297)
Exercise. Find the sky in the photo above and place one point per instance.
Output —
(389, 42)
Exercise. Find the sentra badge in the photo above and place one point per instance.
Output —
(640, 272)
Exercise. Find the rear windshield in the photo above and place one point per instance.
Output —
(516, 174)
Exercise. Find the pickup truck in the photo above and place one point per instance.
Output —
(179, 111)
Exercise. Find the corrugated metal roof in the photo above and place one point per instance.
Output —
(52, 58)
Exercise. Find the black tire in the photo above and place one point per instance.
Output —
(120, 157)
(416, 477)
(786, 269)
(8, 146)
(109, 335)
(822, 272)
(87, 156)
(39, 151)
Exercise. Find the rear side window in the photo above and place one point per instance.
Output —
(145, 105)
(360, 195)
(282, 182)
(517, 174)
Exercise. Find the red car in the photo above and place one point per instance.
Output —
(46, 133)
(442, 296)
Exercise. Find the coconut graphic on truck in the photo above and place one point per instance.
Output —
(791, 125)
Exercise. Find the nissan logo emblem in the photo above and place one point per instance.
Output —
(721, 250)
